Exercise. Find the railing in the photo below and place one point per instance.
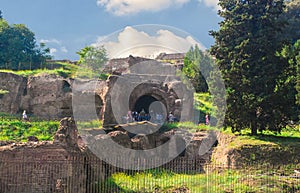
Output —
(91, 175)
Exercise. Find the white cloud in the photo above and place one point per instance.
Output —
(138, 43)
(53, 50)
(211, 3)
(125, 7)
(56, 46)
(55, 41)
(64, 49)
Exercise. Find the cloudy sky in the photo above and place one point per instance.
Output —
(137, 27)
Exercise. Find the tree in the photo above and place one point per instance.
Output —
(18, 47)
(1, 17)
(93, 57)
(292, 16)
(196, 67)
(297, 46)
(292, 54)
(245, 51)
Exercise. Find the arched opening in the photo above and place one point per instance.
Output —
(154, 109)
(66, 87)
(148, 103)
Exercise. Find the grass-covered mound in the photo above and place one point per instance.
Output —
(267, 148)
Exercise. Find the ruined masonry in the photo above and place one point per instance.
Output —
(143, 83)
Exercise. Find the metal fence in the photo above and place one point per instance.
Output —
(92, 175)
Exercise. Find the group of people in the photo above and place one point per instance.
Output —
(135, 116)
(155, 117)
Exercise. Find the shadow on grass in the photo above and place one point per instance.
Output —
(280, 140)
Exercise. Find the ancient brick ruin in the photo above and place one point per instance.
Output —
(67, 165)
(144, 81)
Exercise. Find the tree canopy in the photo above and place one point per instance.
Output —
(19, 49)
(93, 57)
(256, 76)
(292, 16)
(195, 63)
(291, 53)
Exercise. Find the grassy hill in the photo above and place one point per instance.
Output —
(64, 69)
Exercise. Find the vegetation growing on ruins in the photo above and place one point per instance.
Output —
(63, 69)
(2, 92)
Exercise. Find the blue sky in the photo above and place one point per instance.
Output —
(66, 26)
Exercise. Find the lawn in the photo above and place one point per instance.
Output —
(213, 180)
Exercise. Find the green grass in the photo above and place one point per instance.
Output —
(93, 124)
(288, 136)
(213, 180)
(190, 126)
(62, 69)
(12, 128)
(2, 92)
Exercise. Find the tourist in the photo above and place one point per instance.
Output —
(129, 117)
(24, 116)
(171, 117)
(142, 115)
(207, 119)
(135, 116)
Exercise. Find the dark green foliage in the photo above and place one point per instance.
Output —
(292, 16)
(18, 49)
(298, 73)
(292, 55)
(245, 51)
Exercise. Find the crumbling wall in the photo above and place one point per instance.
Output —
(16, 87)
(67, 165)
(48, 96)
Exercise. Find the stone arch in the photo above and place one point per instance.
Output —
(151, 91)
(66, 86)
(144, 103)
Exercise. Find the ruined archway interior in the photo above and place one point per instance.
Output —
(149, 104)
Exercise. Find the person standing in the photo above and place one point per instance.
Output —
(24, 116)
(171, 117)
(207, 119)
